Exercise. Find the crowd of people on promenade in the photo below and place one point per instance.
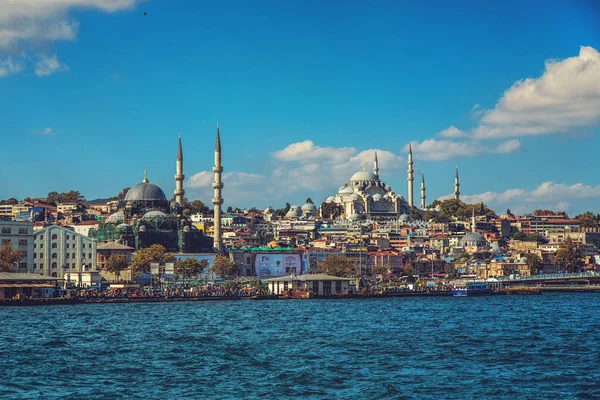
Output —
(179, 292)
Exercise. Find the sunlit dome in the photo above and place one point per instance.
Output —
(154, 215)
(363, 176)
(330, 198)
(346, 190)
(309, 207)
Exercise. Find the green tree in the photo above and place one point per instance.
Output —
(252, 210)
(52, 198)
(229, 210)
(9, 202)
(153, 254)
(123, 193)
(588, 220)
(533, 261)
(9, 258)
(416, 214)
(337, 265)
(569, 255)
(331, 210)
(116, 263)
(518, 235)
(408, 269)
(198, 207)
(224, 267)
(509, 213)
(189, 267)
(309, 201)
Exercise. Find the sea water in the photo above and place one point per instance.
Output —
(506, 347)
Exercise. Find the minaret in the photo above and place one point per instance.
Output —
(179, 192)
(456, 186)
(473, 220)
(217, 199)
(410, 176)
(376, 165)
(422, 190)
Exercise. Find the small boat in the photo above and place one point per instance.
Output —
(472, 289)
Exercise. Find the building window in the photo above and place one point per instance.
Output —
(67, 255)
(6, 241)
(6, 230)
(35, 246)
(41, 245)
(83, 246)
(54, 245)
(22, 231)
(34, 265)
(54, 275)
(54, 255)
(67, 245)
(41, 237)
(34, 256)
(67, 237)
(41, 255)
(54, 236)
(89, 255)
(73, 255)
(54, 265)
(73, 265)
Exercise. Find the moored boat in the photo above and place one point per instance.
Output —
(472, 289)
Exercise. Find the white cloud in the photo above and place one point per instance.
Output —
(11, 65)
(452, 132)
(439, 150)
(47, 131)
(300, 169)
(29, 25)
(48, 65)
(548, 195)
(565, 97)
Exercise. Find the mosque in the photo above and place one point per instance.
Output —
(367, 196)
(145, 216)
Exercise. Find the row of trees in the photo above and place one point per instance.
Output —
(184, 268)
(9, 258)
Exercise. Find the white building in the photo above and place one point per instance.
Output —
(20, 237)
(57, 248)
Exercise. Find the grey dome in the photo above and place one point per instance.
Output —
(116, 218)
(145, 191)
(154, 215)
(472, 239)
(404, 218)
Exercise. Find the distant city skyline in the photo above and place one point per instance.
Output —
(94, 93)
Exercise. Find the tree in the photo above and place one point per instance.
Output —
(408, 269)
(381, 269)
(189, 267)
(10, 202)
(229, 210)
(588, 220)
(9, 257)
(509, 213)
(331, 210)
(252, 210)
(309, 201)
(116, 263)
(533, 261)
(568, 255)
(52, 198)
(197, 207)
(153, 254)
(416, 214)
(337, 265)
(518, 235)
(123, 193)
(224, 267)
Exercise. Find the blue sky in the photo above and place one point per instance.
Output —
(92, 92)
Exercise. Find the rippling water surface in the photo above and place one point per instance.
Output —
(496, 347)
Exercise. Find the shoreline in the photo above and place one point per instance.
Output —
(127, 300)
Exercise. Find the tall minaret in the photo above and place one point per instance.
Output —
(179, 192)
(410, 176)
(473, 223)
(422, 190)
(217, 199)
(456, 186)
(376, 165)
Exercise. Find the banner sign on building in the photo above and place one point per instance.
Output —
(169, 270)
(272, 265)
(154, 268)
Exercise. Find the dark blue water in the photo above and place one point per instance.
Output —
(497, 347)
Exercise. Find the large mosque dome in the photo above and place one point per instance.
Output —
(364, 176)
(145, 191)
